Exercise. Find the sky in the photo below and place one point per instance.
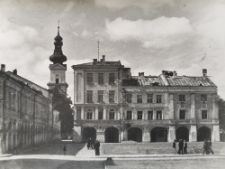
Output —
(146, 35)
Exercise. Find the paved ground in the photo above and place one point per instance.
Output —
(50, 156)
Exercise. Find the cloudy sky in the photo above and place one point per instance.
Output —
(147, 35)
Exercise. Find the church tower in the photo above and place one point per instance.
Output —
(58, 69)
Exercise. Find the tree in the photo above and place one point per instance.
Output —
(62, 104)
(221, 106)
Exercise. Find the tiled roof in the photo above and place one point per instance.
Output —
(189, 81)
(117, 63)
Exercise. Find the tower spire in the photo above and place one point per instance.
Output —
(58, 28)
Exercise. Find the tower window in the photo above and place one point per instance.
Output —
(56, 79)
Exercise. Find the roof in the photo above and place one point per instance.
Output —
(168, 81)
(189, 81)
(107, 63)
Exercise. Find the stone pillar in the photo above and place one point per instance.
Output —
(77, 134)
(193, 133)
(192, 106)
(96, 113)
(171, 107)
(171, 134)
(215, 111)
(146, 136)
(104, 113)
(82, 113)
(215, 133)
(100, 136)
(125, 135)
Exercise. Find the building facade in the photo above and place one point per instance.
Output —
(26, 115)
(113, 106)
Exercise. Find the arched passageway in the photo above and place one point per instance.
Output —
(159, 134)
(111, 135)
(203, 133)
(135, 134)
(88, 132)
(182, 133)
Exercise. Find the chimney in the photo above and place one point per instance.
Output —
(141, 74)
(94, 61)
(204, 72)
(103, 58)
(3, 67)
(15, 71)
(175, 73)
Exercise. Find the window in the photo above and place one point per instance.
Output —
(139, 115)
(139, 98)
(204, 114)
(159, 115)
(128, 98)
(182, 98)
(158, 98)
(100, 78)
(149, 98)
(150, 115)
(111, 77)
(89, 114)
(56, 79)
(111, 96)
(89, 96)
(89, 77)
(129, 115)
(111, 114)
(100, 114)
(204, 98)
(100, 96)
(182, 114)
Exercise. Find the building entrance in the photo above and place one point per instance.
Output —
(111, 135)
(159, 134)
(203, 133)
(182, 133)
(88, 132)
(135, 134)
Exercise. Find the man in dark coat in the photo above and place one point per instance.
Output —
(88, 143)
(205, 147)
(174, 147)
(97, 146)
(185, 147)
(181, 147)
(210, 147)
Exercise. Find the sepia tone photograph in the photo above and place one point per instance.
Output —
(112, 84)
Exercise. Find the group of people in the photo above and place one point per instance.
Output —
(182, 145)
(93, 144)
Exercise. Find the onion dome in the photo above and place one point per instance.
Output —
(58, 56)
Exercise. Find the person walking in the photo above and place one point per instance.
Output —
(97, 146)
(185, 147)
(92, 142)
(210, 147)
(181, 147)
(174, 147)
(88, 143)
(64, 149)
(204, 147)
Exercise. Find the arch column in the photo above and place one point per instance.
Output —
(193, 133)
(171, 134)
(146, 136)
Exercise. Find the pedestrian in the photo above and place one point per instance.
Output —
(97, 146)
(204, 147)
(88, 143)
(92, 142)
(185, 147)
(174, 147)
(64, 149)
(181, 147)
(210, 147)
